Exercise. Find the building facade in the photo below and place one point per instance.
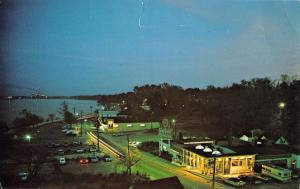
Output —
(226, 164)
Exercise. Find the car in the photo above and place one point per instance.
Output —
(80, 151)
(250, 179)
(234, 182)
(60, 152)
(107, 158)
(66, 144)
(55, 145)
(62, 161)
(64, 130)
(93, 149)
(83, 160)
(71, 133)
(23, 176)
(66, 127)
(94, 159)
(262, 177)
(76, 143)
(50, 145)
(295, 176)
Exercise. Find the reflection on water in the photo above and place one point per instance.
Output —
(9, 109)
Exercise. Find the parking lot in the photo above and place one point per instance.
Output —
(74, 149)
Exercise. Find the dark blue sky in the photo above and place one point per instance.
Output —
(72, 47)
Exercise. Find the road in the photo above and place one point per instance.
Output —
(158, 168)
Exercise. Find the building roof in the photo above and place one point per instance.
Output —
(224, 152)
(166, 183)
(259, 150)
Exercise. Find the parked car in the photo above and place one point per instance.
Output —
(250, 179)
(60, 152)
(94, 159)
(50, 145)
(295, 176)
(64, 130)
(23, 176)
(83, 160)
(66, 144)
(262, 177)
(80, 150)
(66, 127)
(234, 182)
(71, 133)
(62, 161)
(76, 143)
(93, 149)
(55, 145)
(107, 158)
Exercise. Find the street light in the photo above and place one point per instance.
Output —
(174, 124)
(215, 153)
(80, 122)
(281, 105)
(97, 125)
(28, 137)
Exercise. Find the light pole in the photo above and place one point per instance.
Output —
(80, 122)
(151, 118)
(28, 137)
(215, 153)
(281, 106)
(97, 125)
(174, 124)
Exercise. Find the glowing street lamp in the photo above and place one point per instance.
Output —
(173, 121)
(281, 105)
(28, 137)
(215, 153)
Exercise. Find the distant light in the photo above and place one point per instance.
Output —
(173, 120)
(281, 105)
(85, 120)
(77, 113)
(28, 137)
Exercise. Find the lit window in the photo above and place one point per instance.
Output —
(129, 125)
(142, 125)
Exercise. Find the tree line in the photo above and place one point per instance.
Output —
(252, 104)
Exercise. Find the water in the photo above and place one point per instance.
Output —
(10, 109)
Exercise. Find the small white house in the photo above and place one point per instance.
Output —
(244, 138)
(281, 140)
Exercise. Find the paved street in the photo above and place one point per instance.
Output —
(158, 168)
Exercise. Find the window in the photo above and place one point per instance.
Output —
(129, 125)
(235, 163)
(142, 125)
(279, 174)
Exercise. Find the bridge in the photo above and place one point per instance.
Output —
(110, 148)
(87, 117)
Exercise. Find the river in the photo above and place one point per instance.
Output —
(10, 109)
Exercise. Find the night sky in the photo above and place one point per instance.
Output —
(73, 47)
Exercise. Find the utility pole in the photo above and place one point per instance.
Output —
(129, 156)
(97, 127)
(80, 122)
(214, 173)
(151, 118)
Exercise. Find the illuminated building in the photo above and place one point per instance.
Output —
(200, 159)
